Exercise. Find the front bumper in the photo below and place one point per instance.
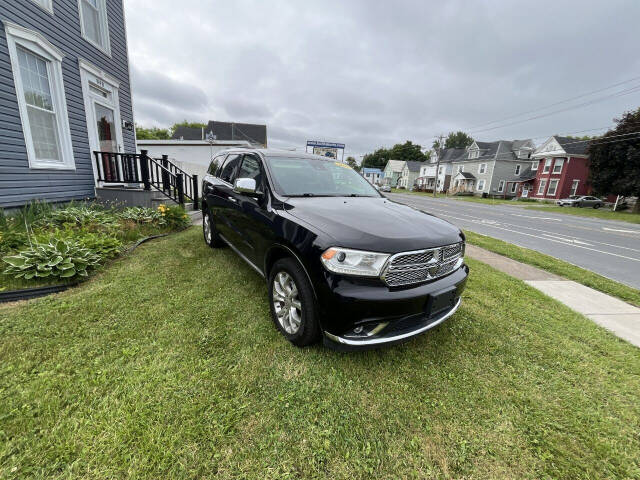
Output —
(362, 316)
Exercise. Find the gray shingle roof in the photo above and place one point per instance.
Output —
(187, 133)
(253, 133)
(414, 166)
(467, 175)
(573, 145)
(451, 154)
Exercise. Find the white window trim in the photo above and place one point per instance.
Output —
(555, 188)
(514, 187)
(518, 167)
(534, 165)
(104, 25)
(501, 186)
(480, 186)
(482, 168)
(547, 165)
(36, 43)
(47, 8)
(474, 154)
(542, 186)
(577, 183)
(555, 164)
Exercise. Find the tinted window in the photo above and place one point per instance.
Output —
(229, 167)
(251, 169)
(215, 164)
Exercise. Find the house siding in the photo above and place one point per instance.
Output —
(18, 183)
(574, 168)
(473, 167)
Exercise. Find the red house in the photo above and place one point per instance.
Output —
(561, 167)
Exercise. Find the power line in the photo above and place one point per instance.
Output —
(557, 103)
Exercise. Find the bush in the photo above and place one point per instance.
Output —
(106, 247)
(174, 217)
(140, 215)
(81, 216)
(60, 258)
(12, 240)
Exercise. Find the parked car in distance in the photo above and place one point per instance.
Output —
(385, 188)
(580, 201)
(342, 262)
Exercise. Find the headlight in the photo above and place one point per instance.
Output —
(353, 262)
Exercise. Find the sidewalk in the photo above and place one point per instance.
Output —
(615, 315)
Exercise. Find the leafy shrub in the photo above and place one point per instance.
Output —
(174, 217)
(82, 216)
(61, 258)
(104, 246)
(29, 214)
(12, 240)
(140, 215)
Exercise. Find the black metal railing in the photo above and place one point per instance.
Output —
(160, 174)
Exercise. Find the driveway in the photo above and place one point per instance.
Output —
(607, 247)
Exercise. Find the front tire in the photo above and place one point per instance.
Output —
(597, 206)
(293, 306)
(209, 232)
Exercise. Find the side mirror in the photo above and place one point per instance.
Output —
(245, 186)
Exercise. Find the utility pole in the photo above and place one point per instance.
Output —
(435, 185)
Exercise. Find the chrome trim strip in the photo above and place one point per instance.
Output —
(241, 255)
(381, 341)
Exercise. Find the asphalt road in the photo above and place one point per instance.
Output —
(607, 247)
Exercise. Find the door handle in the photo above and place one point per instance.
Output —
(233, 199)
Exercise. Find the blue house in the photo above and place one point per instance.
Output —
(373, 175)
(64, 93)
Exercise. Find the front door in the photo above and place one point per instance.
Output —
(102, 109)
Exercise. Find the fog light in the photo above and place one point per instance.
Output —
(358, 330)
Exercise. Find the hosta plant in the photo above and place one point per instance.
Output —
(58, 258)
(81, 216)
(140, 215)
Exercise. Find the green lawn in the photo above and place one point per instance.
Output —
(167, 365)
(605, 213)
(559, 267)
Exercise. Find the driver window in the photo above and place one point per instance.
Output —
(229, 167)
(250, 168)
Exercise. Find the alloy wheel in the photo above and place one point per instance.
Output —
(286, 302)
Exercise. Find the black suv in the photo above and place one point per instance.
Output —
(341, 261)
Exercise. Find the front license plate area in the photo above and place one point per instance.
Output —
(440, 301)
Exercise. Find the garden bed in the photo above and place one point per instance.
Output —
(43, 246)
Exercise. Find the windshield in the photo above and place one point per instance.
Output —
(317, 178)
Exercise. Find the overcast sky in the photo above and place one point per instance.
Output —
(371, 74)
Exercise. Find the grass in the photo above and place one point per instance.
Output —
(559, 267)
(167, 365)
(623, 216)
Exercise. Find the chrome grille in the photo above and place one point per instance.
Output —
(409, 268)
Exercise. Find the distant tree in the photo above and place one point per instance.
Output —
(352, 163)
(615, 163)
(153, 133)
(405, 151)
(457, 140)
(186, 123)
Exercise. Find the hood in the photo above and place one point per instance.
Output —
(375, 224)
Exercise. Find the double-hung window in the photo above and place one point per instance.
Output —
(557, 167)
(534, 165)
(93, 22)
(518, 169)
(480, 185)
(501, 186)
(37, 73)
(482, 168)
(547, 165)
(553, 186)
(541, 186)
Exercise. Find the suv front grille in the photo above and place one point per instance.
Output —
(409, 268)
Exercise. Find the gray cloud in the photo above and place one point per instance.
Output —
(373, 73)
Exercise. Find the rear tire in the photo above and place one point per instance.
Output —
(292, 303)
(597, 206)
(209, 232)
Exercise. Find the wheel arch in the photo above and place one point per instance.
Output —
(279, 251)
